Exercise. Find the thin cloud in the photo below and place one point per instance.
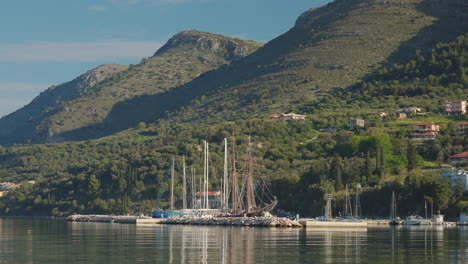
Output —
(77, 51)
(155, 2)
(97, 8)
(22, 87)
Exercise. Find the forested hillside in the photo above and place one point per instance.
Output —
(324, 72)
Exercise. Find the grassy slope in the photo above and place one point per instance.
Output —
(185, 57)
(333, 46)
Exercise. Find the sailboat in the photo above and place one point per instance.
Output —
(158, 212)
(393, 212)
(243, 197)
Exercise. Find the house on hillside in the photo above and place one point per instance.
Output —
(409, 110)
(462, 128)
(287, 116)
(8, 186)
(425, 131)
(401, 115)
(456, 176)
(455, 107)
(355, 122)
(460, 157)
(381, 114)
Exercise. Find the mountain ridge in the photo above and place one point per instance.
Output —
(91, 98)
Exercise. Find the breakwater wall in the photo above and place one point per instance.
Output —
(122, 219)
(234, 221)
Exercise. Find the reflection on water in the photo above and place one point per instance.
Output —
(56, 241)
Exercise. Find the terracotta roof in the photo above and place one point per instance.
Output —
(460, 155)
(462, 123)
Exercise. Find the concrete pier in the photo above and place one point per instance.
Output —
(310, 223)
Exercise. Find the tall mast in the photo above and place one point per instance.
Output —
(207, 175)
(184, 197)
(233, 176)
(172, 183)
(193, 188)
(393, 207)
(204, 175)
(249, 176)
(346, 202)
(356, 203)
(225, 178)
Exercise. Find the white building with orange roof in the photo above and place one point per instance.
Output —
(425, 131)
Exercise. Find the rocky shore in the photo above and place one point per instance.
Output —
(234, 221)
(105, 218)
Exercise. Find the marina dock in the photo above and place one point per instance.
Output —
(312, 223)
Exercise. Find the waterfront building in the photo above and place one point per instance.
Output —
(460, 157)
(215, 200)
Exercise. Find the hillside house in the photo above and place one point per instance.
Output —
(8, 186)
(462, 128)
(460, 157)
(287, 116)
(401, 115)
(409, 110)
(425, 131)
(455, 107)
(381, 115)
(355, 122)
(456, 176)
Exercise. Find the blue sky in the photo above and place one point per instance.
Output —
(53, 41)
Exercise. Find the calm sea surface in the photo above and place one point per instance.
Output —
(56, 241)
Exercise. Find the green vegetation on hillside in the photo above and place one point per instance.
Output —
(296, 72)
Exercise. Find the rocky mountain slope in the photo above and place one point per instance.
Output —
(21, 125)
(201, 76)
(88, 99)
(330, 47)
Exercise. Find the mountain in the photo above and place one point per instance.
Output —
(23, 124)
(89, 98)
(201, 76)
(331, 47)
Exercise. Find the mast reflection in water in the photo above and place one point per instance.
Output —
(56, 241)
